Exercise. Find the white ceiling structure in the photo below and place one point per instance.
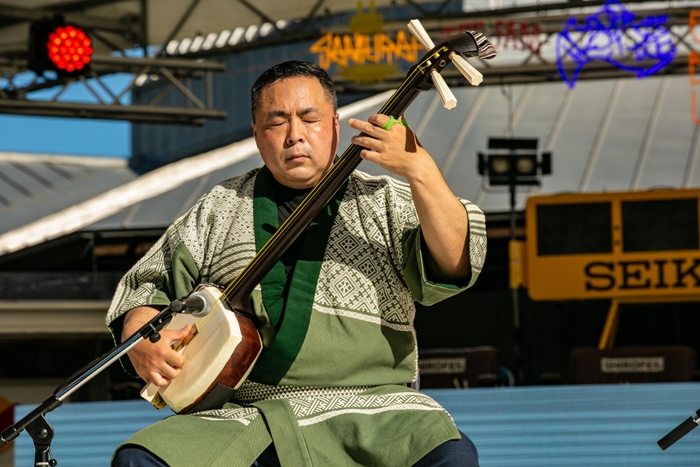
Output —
(605, 135)
(197, 30)
(165, 19)
(118, 25)
(121, 29)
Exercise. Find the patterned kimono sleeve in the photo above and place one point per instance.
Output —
(417, 271)
(169, 270)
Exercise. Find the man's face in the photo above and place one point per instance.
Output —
(296, 131)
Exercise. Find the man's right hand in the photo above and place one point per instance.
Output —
(155, 363)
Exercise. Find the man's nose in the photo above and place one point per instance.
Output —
(295, 133)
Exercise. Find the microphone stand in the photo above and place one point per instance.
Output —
(680, 431)
(34, 422)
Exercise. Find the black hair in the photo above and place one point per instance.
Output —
(291, 69)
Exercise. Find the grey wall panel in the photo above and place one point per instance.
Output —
(42, 175)
(441, 127)
(162, 210)
(491, 121)
(45, 201)
(572, 147)
(417, 111)
(537, 119)
(30, 186)
(154, 211)
(11, 192)
(693, 168)
(621, 146)
(113, 222)
(670, 144)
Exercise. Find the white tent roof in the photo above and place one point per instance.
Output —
(605, 135)
(194, 174)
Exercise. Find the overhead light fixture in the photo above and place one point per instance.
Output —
(55, 45)
(514, 161)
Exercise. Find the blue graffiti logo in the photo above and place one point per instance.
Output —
(614, 35)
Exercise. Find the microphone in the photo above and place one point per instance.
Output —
(197, 304)
(680, 431)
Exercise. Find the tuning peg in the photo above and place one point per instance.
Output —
(470, 73)
(421, 34)
(448, 99)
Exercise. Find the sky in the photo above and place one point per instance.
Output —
(70, 136)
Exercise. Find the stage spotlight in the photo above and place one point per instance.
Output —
(55, 45)
(514, 161)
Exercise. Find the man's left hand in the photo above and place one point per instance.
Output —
(396, 149)
(443, 218)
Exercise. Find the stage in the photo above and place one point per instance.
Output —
(572, 426)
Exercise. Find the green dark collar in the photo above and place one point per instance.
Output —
(291, 319)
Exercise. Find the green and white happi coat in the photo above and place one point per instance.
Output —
(330, 388)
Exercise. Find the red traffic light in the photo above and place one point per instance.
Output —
(69, 48)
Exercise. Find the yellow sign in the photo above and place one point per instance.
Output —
(366, 23)
(366, 55)
(613, 245)
(368, 73)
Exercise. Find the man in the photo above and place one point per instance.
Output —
(335, 316)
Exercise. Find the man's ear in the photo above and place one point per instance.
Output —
(255, 130)
(336, 134)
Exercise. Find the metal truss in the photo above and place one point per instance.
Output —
(115, 35)
(108, 103)
(538, 59)
(532, 57)
(527, 35)
(108, 33)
